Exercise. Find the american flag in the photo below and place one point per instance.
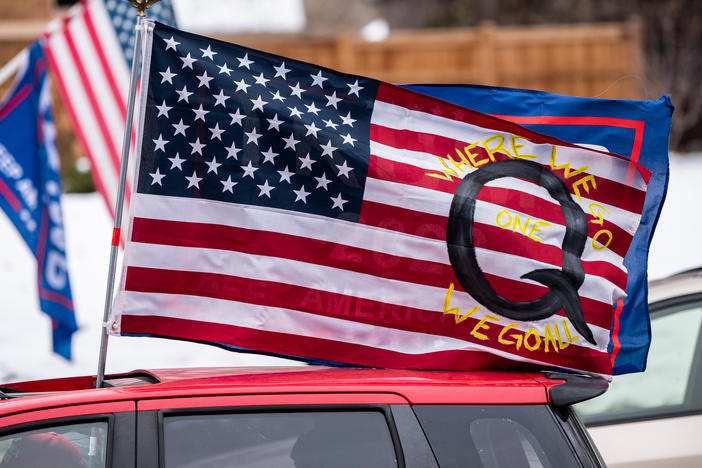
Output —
(294, 210)
(90, 52)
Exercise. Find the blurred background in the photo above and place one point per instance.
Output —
(628, 49)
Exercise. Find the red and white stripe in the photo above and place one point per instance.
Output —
(87, 61)
(372, 292)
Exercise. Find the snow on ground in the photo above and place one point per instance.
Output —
(25, 336)
(25, 347)
(241, 16)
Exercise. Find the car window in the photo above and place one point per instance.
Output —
(495, 436)
(281, 439)
(66, 446)
(666, 386)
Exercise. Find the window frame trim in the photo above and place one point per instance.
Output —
(578, 437)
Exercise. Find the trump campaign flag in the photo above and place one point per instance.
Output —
(30, 190)
(290, 209)
(635, 129)
(90, 53)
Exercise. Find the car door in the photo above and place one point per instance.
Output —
(283, 430)
(91, 436)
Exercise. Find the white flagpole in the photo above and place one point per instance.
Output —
(116, 231)
(12, 66)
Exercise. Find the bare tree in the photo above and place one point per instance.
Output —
(673, 42)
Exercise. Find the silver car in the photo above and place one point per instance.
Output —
(654, 418)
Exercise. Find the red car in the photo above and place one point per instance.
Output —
(298, 417)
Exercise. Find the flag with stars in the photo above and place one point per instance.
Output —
(90, 54)
(288, 209)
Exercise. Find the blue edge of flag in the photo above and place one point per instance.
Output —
(30, 191)
(625, 127)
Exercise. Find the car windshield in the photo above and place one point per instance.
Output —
(666, 386)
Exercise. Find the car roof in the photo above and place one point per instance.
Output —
(685, 283)
(416, 387)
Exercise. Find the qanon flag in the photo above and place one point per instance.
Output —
(30, 190)
(293, 210)
(635, 129)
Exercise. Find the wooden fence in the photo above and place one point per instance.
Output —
(581, 60)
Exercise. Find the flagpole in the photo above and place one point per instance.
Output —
(114, 250)
(12, 66)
